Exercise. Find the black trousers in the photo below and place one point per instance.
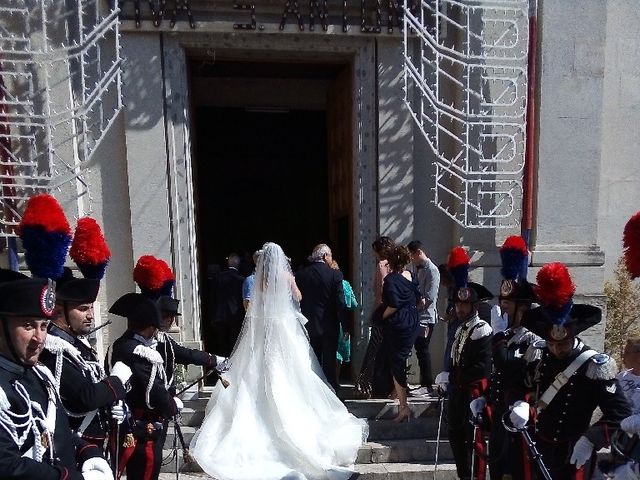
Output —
(325, 348)
(424, 357)
(146, 460)
(508, 451)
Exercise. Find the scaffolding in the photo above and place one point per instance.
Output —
(60, 91)
(465, 72)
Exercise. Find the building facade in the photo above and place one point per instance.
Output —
(252, 127)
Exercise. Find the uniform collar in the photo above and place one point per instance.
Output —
(152, 342)
(13, 367)
(58, 332)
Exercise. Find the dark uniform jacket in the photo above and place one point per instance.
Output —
(173, 353)
(19, 385)
(508, 378)
(149, 397)
(568, 416)
(471, 355)
(85, 389)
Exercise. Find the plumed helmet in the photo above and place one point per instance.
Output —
(557, 317)
(465, 291)
(90, 252)
(515, 260)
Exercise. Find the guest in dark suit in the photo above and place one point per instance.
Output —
(323, 305)
(229, 310)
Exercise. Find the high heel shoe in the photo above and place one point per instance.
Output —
(404, 414)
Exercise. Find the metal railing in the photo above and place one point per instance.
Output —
(60, 91)
(465, 72)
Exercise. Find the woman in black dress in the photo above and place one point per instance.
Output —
(400, 297)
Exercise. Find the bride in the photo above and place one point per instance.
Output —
(278, 419)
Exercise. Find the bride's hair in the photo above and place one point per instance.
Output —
(273, 278)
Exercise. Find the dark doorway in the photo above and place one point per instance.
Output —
(262, 176)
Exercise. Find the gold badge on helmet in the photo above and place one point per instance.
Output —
(507, 288)
(464, 294)
(558, 333)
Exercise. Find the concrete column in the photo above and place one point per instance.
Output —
(395, 145)
(146, 145)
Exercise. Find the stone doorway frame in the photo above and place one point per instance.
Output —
(361, 52)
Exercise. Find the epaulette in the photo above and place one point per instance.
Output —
(56, 345)
(601, 367)
(482, 330)
(148, 354)
(534, 352)
(59, 347)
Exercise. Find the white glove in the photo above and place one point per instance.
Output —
(519, 415)
(631, 424)
(179, 404)
(499, 322)
(119, 412)
(95, 475)
(442, 380)
(122, 371)
(222, 364)
(628, 471)
(582, 451)
(97, 466)
(477, 405)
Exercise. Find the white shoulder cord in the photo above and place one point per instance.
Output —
(33, 421)
(153, 357)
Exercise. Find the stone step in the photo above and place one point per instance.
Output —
(379, 408)
(422, 427)
(375, 450)
(402, 451)
(405, 471)
(369, 471)
(192, 416)
(379, 430)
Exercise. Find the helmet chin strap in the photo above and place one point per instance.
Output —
(65, 307)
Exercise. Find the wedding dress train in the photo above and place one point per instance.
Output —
(278, 419)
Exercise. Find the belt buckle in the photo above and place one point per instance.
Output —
(150, 428)
(562, 378)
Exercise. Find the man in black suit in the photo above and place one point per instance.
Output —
(324, 306)
(229, 310)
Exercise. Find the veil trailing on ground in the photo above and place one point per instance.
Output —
(279, 418)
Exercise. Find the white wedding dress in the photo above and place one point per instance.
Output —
(278, 419)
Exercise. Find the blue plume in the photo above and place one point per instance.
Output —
(514, 264)
(460, 274)
(45, 251)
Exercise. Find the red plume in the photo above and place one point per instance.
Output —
(43, 210)
(89, 245)
(167, 273)
(515, 242)
(458, 257)
(631, 242)
(148, 273)
(554, 285)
